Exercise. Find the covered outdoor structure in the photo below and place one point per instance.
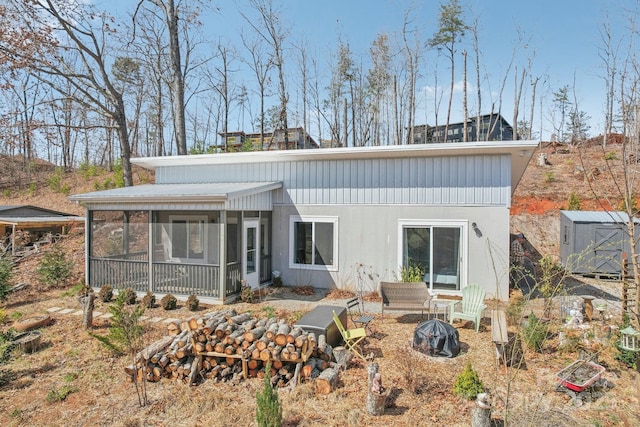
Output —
(39, 222)
(182, 239)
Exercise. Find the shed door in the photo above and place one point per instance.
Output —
(607, 250)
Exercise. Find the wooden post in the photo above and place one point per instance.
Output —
(86, 301)
(377, 395)
(342, 356)
(481, 412)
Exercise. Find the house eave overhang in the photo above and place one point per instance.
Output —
(520, 151)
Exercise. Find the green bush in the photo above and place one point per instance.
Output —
(193, 303)
(149, 300)
(6, 272)
(125, 332)
(412, 273)
(169, 302)
(54, 267)
(574, 203)
(549, 177)
(611, 155)
(468, 384)
(268, 409)
(106, 293)
(535, 333)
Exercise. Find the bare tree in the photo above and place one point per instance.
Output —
(274, 34)
(78, 29)
(260, 63)
(171, 14)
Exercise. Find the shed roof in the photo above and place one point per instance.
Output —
(183, 193)
(613, 217)
(520, 151)
(7, 209)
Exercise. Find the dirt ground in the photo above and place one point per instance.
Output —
(420, 386)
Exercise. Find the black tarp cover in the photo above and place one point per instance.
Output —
(436, 338)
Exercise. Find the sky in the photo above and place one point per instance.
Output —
(561, 39)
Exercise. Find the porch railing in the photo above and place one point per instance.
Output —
(119, 273)
(178, 279)
(187, 279)
(265, 269)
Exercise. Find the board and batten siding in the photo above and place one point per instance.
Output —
(443, 180)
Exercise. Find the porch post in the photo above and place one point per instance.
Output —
(13, 239)
(223, 255)
(88, 238)
(150, 251)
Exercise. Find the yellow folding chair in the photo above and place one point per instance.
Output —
(351, 337)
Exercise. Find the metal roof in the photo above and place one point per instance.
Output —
(39, 221)
(521, 153)
(182, 193)
(597, 216)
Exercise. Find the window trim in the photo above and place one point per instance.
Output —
(313, 219)
(205, 238)
(463, 225)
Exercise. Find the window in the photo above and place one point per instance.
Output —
(188, 239)
(313, 242)
(437, 248)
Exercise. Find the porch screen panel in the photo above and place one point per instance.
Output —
(179, 239)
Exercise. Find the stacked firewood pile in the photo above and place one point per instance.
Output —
(226, 346)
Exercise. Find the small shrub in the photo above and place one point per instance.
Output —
(32, 189)
(549, 177)
(412, 273)
(54, 268)
(149, 300)
(129, 296)
(574, 203)
(169, 302)
(535, 333)
(277, 282)
(268, 408)
(6, 272)
(106, 293)
(6, 192)
(125, 332)
(3, 316)
(611, 155)
(468, 384)
(193, 303)
(515, 307)
(58, 395)
(246, 293)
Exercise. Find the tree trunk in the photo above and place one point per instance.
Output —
(327, 381)
(87, 310)
(376, 395)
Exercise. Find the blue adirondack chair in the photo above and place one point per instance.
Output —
(472, 305)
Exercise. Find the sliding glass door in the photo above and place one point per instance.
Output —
(437, 250)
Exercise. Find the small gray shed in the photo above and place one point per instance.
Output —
(592, 242)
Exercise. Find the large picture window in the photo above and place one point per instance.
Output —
(188, 240)
(437, 249)
(313, 242)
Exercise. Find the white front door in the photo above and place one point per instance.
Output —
(251, 253)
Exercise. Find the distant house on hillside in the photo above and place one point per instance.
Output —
(211, 222)
(298, 139)
(38, 222)
(493, 127)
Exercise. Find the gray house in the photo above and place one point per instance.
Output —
(315, 216)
